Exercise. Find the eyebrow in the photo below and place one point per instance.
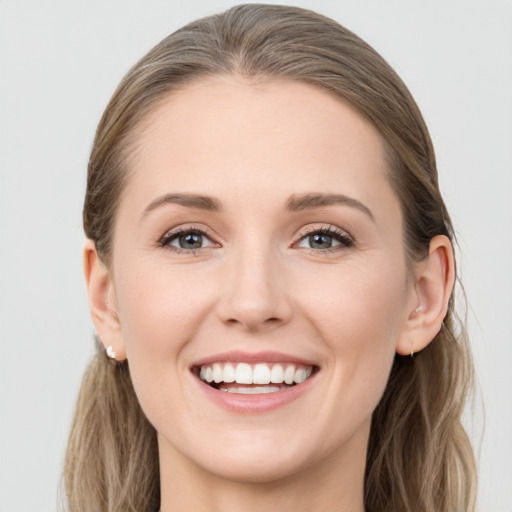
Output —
(314, 200)
(296, 202)
(196, 201)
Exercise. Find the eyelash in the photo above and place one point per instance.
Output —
(169, 237)
(345, 240)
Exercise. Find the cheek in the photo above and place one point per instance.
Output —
(357, 307)
(160, 309)
(359, 317)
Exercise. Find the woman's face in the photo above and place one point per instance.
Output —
(258, 239)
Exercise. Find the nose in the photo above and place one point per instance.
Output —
(254, 296)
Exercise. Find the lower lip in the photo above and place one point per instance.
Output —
(258, 403)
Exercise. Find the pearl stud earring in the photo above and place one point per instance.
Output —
(110, 352)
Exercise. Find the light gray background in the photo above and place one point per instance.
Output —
(59, 64)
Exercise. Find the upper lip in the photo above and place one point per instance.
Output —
(253, 357)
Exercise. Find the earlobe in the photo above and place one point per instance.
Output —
(102, 302)
(434, 281)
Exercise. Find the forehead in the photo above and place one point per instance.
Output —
(228, 134)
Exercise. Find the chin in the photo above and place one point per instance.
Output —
(257, 469)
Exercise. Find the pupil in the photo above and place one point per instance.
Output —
(191, 241)
(320, 241)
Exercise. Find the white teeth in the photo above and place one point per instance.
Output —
(243, 374)
(256, 390)
(300, 375)
(277, 374)
(289, 374)
(228, 375)
(261, 374)
(217, 373)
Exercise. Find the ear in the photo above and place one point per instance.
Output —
(102, 302)
(434, 278)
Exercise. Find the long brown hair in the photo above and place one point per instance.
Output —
(419, 456)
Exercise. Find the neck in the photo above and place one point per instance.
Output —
(327, 486)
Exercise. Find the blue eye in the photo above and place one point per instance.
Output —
(326, 239)
(321, 241)
(186, 240)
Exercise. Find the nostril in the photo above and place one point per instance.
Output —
(253, 324)
(254, 300)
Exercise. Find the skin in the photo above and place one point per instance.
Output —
(258, 285)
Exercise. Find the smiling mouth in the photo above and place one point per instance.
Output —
(252, 379)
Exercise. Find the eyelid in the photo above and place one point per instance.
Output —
(343, 236)
(173, 233)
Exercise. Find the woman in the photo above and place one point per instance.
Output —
(270, 272)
